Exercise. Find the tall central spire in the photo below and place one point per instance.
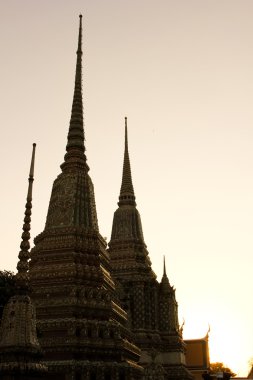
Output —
(72, 201)
(75, 145)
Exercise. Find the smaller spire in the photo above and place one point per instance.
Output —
(127, 190)
(20, 352)
(165, 284)
(22, 277)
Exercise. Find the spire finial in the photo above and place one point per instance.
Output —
(164, 266)
(126, 141)
(75, 145)
(127, 191)
(79, 50)
(22, 277)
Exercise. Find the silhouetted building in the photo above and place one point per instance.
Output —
(101, 314)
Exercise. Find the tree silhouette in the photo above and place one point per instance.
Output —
(7, 288)
(220, 367)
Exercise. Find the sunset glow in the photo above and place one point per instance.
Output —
(182, 72)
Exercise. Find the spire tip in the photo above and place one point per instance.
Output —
(164, 266)
(127, 191)
(75, 142)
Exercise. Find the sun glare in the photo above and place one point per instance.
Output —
(227, 342)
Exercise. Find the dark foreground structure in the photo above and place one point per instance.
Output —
(101, 314)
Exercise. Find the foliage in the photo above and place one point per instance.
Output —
(7, 288)
(250, 374)
(219, 367)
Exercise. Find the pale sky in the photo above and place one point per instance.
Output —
(182, 72)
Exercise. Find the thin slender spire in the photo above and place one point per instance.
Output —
(22, 277)
(20, 351)
(75, 144)
(127, 190)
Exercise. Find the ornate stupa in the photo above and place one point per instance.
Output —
(20, 351)
(151, 306)
(81, 325)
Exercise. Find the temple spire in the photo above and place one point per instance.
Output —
(75, 145)
(127, 191)
(20, 352)
(164, 266)
(22, 277)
